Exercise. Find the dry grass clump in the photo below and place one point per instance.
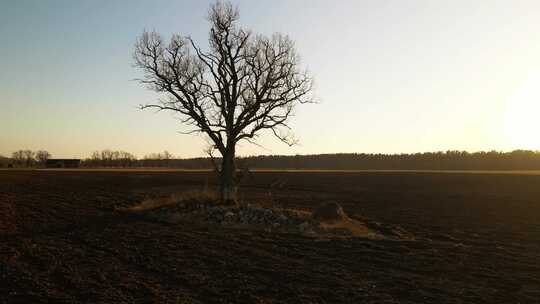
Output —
(188, 197)
(331, 218)
(351, 227)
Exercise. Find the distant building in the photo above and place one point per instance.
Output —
(63, 163)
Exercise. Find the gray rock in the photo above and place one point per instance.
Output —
(302, 227)
(229, 216)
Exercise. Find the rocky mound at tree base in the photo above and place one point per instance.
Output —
(327, 220)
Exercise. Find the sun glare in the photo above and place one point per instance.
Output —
(522, 116)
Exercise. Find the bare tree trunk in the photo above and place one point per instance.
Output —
(227, 177)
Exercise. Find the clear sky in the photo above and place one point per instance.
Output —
(392, 76)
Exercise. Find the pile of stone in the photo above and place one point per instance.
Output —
(327, 219)
(252, 215)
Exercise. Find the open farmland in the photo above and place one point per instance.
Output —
(476, 239)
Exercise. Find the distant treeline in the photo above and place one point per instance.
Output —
(450, 160)
(108, 158)
(25, 158)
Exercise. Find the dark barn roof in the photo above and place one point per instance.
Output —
(63, 162)
(56, 160)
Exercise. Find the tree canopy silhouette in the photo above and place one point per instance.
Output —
(240, 86)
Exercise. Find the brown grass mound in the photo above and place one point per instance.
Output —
(333, 220)
(351, 227)
(187, 197)
(330, 212)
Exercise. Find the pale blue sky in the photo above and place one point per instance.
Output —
(392, 76)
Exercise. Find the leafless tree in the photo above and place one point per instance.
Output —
(106, 157)
(96, 156)
(110, 158)
(28, 157)
(42, 156)
(18, 157)
(241, 85)
(167, 155)
(23, 157)
(126, 159)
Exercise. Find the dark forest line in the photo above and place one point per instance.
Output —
(449, 160)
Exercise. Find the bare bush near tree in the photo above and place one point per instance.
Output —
(242, 85)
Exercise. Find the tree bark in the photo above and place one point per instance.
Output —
(227, 177)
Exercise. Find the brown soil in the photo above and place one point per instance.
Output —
(459, 238)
